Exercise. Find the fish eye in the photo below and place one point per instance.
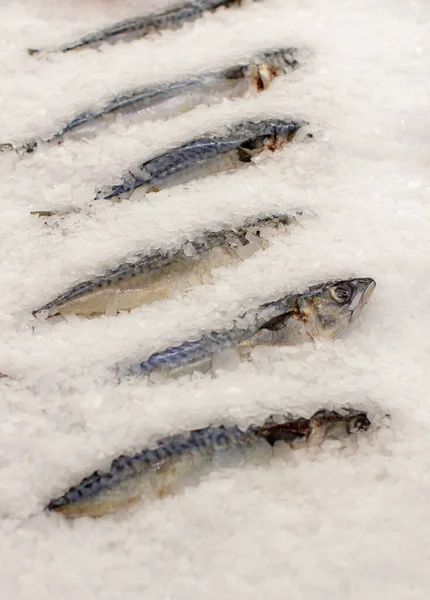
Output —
(342, 293)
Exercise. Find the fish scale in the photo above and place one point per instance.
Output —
(171, 463)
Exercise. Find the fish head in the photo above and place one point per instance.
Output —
(288, 56)
(285, 132)
(328, 309)
(280, 132)
(338, 424)
(278, 59)
(283, 59)
(271, 64)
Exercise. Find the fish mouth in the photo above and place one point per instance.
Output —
(363, 290)
(371, 284)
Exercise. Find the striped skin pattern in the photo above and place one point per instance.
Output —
(290, 320)
(169, 100)
(139, 27)
(244, 141)
(192, 252)
(184, 459)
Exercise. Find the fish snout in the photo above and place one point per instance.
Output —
(363, 290)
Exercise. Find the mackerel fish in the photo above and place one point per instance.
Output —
(139, 27)
(204, 156)
(176, 98)
(183, 460)
(323, 311)
(207, 155)
(162, 273)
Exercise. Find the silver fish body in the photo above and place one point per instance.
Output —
(139, 27)
(203, 156)
(176, 98)
(162, 273)
(324, 311)
(183, 460)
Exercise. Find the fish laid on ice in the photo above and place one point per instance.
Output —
(323, 311)
(207, 155)
(182, 460)
(204, 156)
(176, 98)
(138, 27)
(160, 274)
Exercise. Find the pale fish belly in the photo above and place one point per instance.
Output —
(167, 103)
(162, 273)
(171, 103)
(221, 163)
(182, 274)
(168, 475)
(151, 483)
